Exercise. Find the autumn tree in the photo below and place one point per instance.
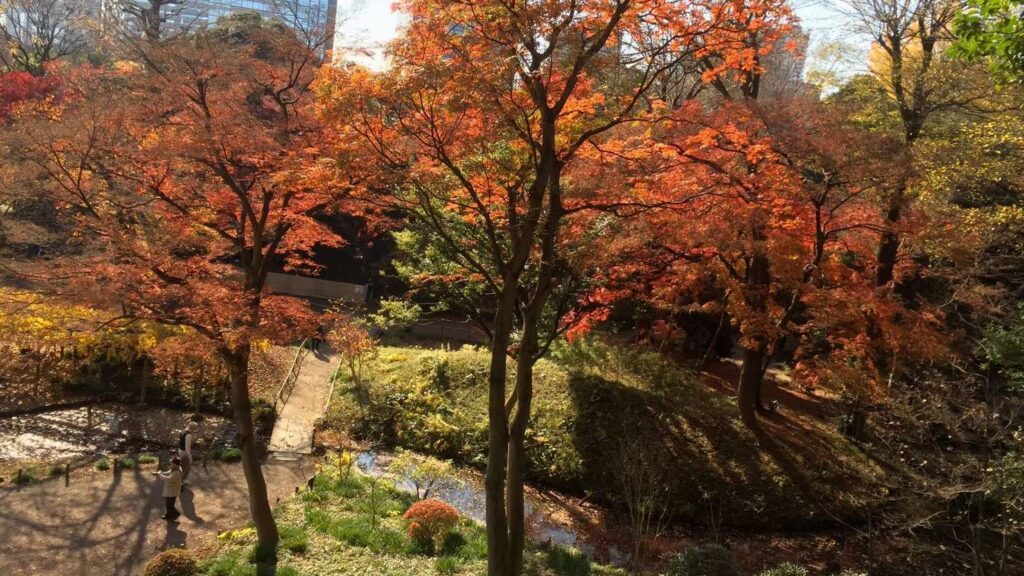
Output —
(480, 124)
(35, 32)
(909, 60)
(203, 179)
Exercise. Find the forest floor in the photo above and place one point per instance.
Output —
(104, 524)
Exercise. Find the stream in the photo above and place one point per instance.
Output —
(465, 491)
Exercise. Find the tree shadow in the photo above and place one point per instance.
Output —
(707, 466)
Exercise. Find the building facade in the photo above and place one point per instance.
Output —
(305, 15)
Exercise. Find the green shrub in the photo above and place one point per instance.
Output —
(447, 565)
(127, 464)
(706, 560)
(25, 477)
(568, 562)
(173, 562)
(228, 455)
(102, 464)
(294, 539)
(786, 569)
(148, 459)
(56, 470)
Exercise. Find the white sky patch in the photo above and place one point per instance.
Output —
(367, 25)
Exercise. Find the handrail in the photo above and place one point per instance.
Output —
(291, 377)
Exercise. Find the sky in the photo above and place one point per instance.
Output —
(371, 23)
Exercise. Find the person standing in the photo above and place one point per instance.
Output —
(185, 448)
(172, 488)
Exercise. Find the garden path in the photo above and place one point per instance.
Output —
(293, 430)
(105, 524)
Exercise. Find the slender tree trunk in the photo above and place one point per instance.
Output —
(143, 381)
(515, 504)
(259, 504)
(498, 440)
(889, 245)
(748, 396)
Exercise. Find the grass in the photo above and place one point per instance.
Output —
(102, 464)
(354, 527)
(599, 409)
(126, 463)
(148, 459)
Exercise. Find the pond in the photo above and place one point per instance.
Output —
(465, 491)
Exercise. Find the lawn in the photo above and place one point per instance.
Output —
(600, 409)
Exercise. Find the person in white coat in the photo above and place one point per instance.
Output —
(172, 488)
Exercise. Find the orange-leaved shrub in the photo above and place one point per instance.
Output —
(430, 519)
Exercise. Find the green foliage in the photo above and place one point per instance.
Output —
(786, 569)
(993, 30)
(56, 470)
(227, 455)
(423, 471)
(395, 313)
(707, 560)
(25, 477)
(1003, 347)
(148, 459)
(172, 562)
(568, 561)
(447, 565)
(102, 464)
(294, 539)
(126, 463)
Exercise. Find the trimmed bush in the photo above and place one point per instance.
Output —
(148, 459)
(25, 477)
(56, 470)
(173, 562)
(707, 560)
(102, 464)
(127, 464)
(429, 520)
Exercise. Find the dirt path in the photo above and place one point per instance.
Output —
(106, 525)
(293, 430)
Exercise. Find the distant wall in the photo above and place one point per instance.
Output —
(316, 288)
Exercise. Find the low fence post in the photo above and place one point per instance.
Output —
(67, 475)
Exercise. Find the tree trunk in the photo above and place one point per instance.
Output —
(889, 245)
(143, 381)
(749, 394)
(498, 440)
(259, 504)
(515, 504)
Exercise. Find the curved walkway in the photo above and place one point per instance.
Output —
(109, 525)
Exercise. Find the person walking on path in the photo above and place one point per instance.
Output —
(185, 449)
(172, 488)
